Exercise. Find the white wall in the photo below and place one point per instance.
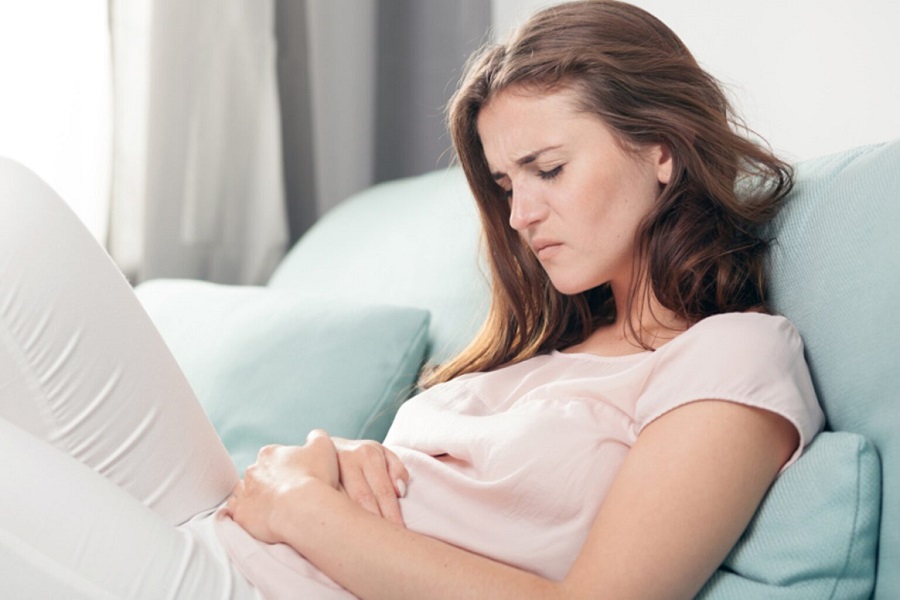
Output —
(811, 76)
(56, 98)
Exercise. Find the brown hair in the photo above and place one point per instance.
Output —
(700, 248)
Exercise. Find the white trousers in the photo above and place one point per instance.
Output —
(105, 449)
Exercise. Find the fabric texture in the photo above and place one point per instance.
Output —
(477, 480)
(270, 365)
(105, 448)
(71, 328)
(815, 536)
(834, 274)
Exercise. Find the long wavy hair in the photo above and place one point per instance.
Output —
(699, 252)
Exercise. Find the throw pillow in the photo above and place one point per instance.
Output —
(268, 365)
(815, 536)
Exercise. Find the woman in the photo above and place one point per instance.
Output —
(610, 432)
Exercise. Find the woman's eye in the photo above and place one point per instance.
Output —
(507, 194)
(552, 173)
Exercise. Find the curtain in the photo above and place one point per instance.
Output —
(197, 186)
(363, 87)
(241, 122)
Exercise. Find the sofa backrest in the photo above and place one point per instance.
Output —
(835, 272)
(410, 242)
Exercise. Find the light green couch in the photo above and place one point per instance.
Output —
(391, 278)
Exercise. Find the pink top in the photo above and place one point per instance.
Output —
(514, 463)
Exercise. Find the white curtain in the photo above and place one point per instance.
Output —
(197, 170)
(55, 103)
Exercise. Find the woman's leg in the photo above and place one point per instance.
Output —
(66, 532)
(83, 368)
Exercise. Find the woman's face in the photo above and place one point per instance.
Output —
(575, 196)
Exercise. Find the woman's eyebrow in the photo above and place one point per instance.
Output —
(527, 159)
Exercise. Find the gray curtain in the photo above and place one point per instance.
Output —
(363, 85)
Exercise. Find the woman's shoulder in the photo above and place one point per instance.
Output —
(755, 359)
(746, 346)
(754, 319)
(754, 331)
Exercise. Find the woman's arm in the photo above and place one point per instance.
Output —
(686, 491)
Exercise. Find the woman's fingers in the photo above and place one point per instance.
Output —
(373, 477)
(317, 435)
(358, 489)
(323, 456)
(274, 481)
(397, 471)
(384, 490)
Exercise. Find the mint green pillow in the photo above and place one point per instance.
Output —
(835, 273)
(270, 365)
(815, 536)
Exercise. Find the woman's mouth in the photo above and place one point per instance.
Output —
(545, 250)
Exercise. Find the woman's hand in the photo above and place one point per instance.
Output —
(372, 476)
(277, 480)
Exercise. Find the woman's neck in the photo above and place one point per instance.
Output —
(644, 325)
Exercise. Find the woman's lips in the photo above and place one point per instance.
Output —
(545, 250)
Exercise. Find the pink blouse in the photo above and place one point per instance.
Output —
(514, 464)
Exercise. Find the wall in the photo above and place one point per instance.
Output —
(56, 98)
(811, 76)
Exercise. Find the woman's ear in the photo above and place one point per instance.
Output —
(662, 159)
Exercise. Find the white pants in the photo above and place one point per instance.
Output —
(105, 450)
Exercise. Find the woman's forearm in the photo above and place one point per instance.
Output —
(375, 558)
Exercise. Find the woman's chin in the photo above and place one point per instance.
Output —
(569, 288)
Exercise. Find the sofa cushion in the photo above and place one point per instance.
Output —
(835, 273)
(815, 535)
(269, 366)
(410, 242)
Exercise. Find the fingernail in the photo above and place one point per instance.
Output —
(401, 488)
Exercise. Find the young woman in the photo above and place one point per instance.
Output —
(609, 433)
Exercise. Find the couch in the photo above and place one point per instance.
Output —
(391, 280)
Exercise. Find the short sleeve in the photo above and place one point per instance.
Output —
(752, 359)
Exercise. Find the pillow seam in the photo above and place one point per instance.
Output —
(422, 330)
(853, 529)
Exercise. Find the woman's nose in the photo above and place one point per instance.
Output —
(525, 208)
